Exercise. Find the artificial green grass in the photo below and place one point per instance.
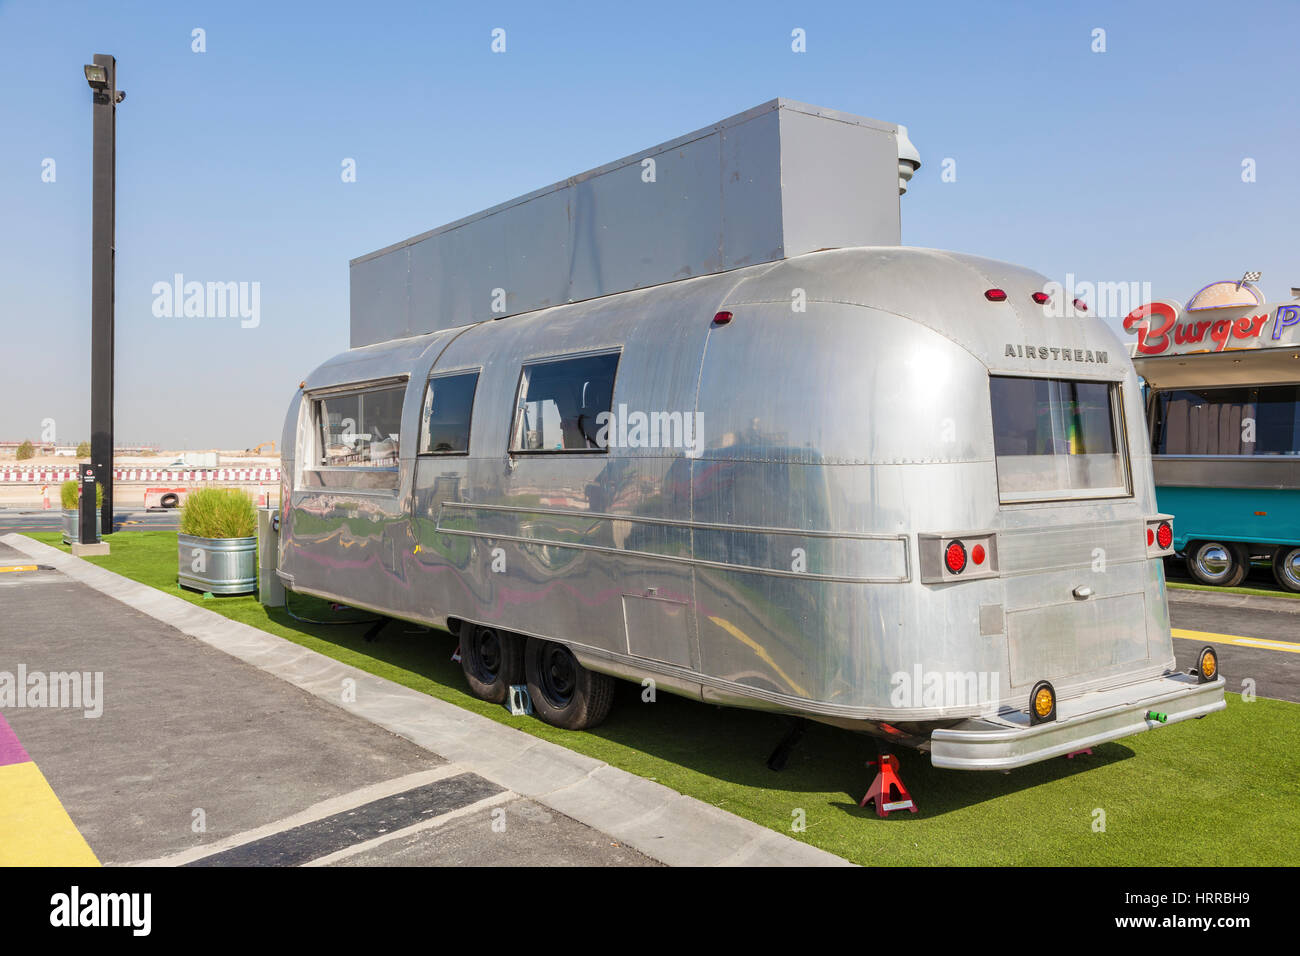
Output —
(1220, 791)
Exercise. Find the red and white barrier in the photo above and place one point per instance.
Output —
(9, 476)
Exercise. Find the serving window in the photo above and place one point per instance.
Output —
(357, 438)
(559, 402)
(1058, 439)
(1228, 421)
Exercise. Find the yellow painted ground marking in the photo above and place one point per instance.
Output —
(1206, 637)
(35, 830)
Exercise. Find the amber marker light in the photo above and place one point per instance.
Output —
(1207, 665)
(1042, 703)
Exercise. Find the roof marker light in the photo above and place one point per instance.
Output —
(1081, 305)
(721, 318)
(1040, 297)
(995, 295)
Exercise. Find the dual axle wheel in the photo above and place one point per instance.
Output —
(564, 693)
(1226, 564)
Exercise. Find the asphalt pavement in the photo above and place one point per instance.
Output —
(194, 751)
(197, 740)
(1257, 638)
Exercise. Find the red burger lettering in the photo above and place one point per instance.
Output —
(1161, 330)
(1151, 341)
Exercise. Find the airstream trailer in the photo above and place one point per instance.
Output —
(1223, 409)
(879, 487)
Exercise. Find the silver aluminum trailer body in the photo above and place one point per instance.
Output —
(795, 563)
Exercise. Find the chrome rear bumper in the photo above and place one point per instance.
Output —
(1008, 740)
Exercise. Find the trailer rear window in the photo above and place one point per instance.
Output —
(559, 402)
(1057, 439)
(448, 405)
(1228, 421)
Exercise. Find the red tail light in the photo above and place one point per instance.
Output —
(1164, 535)
(955, 557)
(1151, 537)
(995, 295)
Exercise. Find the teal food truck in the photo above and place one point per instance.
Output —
(1223, 411)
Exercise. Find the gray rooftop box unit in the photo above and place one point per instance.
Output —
(778, 180)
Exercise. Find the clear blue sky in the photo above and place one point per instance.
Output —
(1116, 166)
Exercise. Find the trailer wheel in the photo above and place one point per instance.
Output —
(564, 693)
(492, 660)
(1286, 569)
(1218, 563)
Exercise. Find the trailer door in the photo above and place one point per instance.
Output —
(1073, 554)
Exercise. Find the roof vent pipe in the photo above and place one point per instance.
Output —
(909, 160)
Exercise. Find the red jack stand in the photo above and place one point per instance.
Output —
(1079, 753)
(887, 790)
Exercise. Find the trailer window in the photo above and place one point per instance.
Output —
(448, 404)
(560, 401)
(1057, 439)
(1228, 421)
(360, 429)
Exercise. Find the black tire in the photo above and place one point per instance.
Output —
(169, 501)
(492, 661)
(1218, 563)
(1286, 568)
(564, 693)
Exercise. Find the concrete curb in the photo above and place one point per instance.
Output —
(1258, 602)
(649, 817)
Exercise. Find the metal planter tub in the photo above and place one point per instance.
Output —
(72, 526)
(217, 565)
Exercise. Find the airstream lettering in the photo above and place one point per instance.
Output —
(1058, 353)
(884, 486)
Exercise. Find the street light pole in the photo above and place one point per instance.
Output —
(102, 77)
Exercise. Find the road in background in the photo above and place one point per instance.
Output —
(24, 521)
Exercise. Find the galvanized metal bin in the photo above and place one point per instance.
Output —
(218, 565)
(72, 526)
